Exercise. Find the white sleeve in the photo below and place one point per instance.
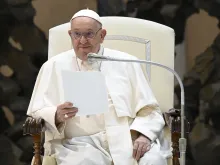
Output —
(45, 97)
(149, 120)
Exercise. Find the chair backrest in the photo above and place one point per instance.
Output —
(145, 39)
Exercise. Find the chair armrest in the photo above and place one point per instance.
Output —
(173, 121)
(34, 127)
(170, 115)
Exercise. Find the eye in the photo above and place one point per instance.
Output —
(77, 34)
(90, 34)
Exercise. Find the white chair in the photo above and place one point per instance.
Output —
(145, 39)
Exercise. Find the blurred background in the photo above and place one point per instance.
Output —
(24, 26)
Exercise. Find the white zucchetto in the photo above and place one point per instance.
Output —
(87, 13)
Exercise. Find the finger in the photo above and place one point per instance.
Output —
(148, 147)
(139, 150)
(70, 115)
(70, 110)
(144, 150)
(65, 105)
(142, 153)
(68, 105)
(135, 149)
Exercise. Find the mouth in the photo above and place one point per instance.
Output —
(84, 47)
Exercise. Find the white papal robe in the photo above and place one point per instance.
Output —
(132, 106)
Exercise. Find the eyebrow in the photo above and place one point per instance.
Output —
(79, 29)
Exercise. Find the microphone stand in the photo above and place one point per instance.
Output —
(182, 140)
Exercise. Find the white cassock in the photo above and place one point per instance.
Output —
(99, 139)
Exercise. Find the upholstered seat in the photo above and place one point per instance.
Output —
(148, 41)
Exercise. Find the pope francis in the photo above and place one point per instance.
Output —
(125, 135)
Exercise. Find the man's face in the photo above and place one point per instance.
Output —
(86, 35)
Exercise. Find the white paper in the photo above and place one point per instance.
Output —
(86, 90)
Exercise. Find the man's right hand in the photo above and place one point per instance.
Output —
(64, 112)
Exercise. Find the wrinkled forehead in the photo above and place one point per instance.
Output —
(84, 23)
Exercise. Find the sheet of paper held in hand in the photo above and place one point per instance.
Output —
(86, 90)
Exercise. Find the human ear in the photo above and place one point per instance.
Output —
(69, 32)
(103, 34)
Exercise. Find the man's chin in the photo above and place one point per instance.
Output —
(83, 56)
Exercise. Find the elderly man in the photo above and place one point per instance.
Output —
(125, 135)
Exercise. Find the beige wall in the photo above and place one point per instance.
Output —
(55, 12)
(201, 30)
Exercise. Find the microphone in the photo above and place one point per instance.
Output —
(92, 57)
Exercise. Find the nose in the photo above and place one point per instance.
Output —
(83, 40)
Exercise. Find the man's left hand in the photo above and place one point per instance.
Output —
(141, 145)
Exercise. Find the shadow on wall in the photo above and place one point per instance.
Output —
(202, 95)
(23, 48)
